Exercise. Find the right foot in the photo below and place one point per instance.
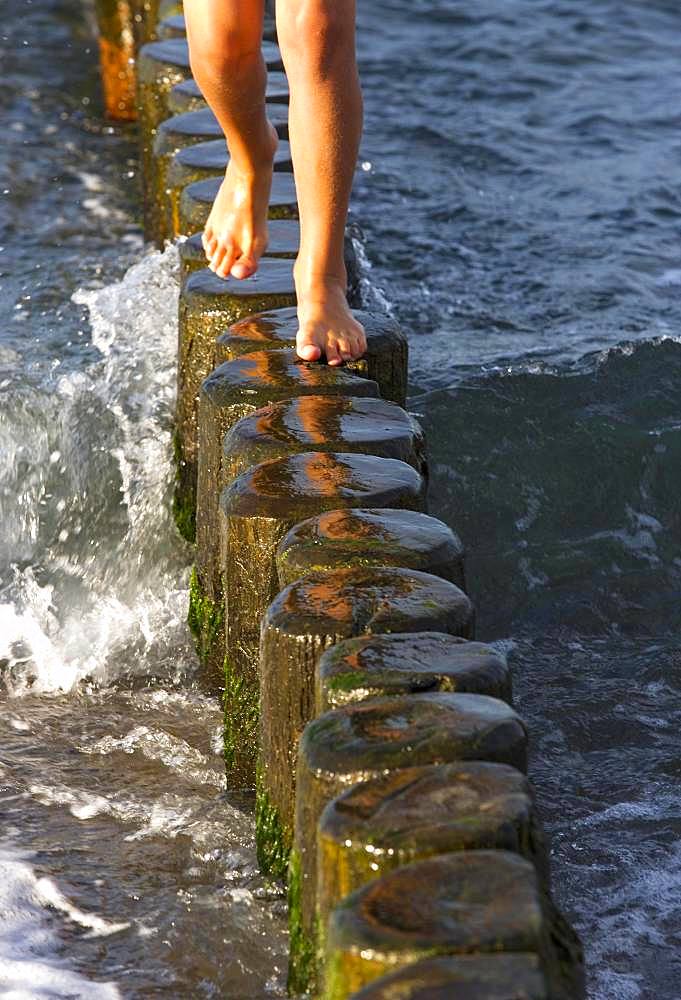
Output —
(235, 236)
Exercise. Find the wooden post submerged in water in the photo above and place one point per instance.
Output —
(329, 609)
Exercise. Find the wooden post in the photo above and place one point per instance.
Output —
(375, 666)
(464, 977)
(208, 305)
(473, 901)
(115, 20)
(385, 359)
(416, 813)
(306, 618)
(325, 423)
(373, 538)
(374, 738)
(257, 510)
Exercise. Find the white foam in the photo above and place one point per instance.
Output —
(97, 584)
(31, 962)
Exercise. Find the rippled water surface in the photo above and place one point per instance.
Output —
(520, 204)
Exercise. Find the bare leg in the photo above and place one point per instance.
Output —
(317, 39)
(225, 39)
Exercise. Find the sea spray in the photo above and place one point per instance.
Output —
(93, 574)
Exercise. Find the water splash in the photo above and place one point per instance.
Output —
(96, 578)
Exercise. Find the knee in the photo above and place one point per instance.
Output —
(220, 57)
(316, 35)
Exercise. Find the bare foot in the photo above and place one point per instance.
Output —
(326, 326)
(235, 236)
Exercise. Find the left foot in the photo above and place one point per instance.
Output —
(326, 326)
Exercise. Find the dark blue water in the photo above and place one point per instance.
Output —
(519, 196)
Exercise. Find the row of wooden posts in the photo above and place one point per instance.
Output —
(329, 609)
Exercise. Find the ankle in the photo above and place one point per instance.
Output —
(258, 156)
(319, 284)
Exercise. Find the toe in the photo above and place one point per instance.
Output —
(244, 267)
(218, 256)
(210, 245)
(227, 261)
(345, 348)
(333, 355)
(307, 349)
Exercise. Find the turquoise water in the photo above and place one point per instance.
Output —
(521, 213)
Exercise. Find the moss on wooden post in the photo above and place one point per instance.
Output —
(324, 423)
(373, 537)
(316, 612)
(196, 201)
(202, 161)
(373, 738)
(257, 510)
(510, 976)
(208, 304)
(412, 814)
(375, 666)
(385, 359)
(455, 904)
(115, 21)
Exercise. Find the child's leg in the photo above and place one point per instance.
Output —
(317, 39)
(225, 39)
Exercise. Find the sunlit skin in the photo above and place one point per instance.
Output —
(317, 42)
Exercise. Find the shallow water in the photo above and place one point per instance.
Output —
(520, 218)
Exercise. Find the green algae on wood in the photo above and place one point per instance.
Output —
(272, 839)
(385, 359)
(384, 735)
(196, 201)
(115, 21)
(509, 976)
(318, 611)
(257, 510)
(207, 305)
(412, 814)
(381, 665)
(202, 161)
(324, 423)
(372, 537)
(206, 623)
(484, 902)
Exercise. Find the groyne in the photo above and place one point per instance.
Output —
(330, 610)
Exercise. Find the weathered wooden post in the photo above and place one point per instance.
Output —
(308, 616)
(115, 20)
(208, 305)
(364, 425)
(419, 812)
(258, 508)
(374, 738)
(385, 359)
(454, 904)
(375, 666)
(464, 977)
(372, 538)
